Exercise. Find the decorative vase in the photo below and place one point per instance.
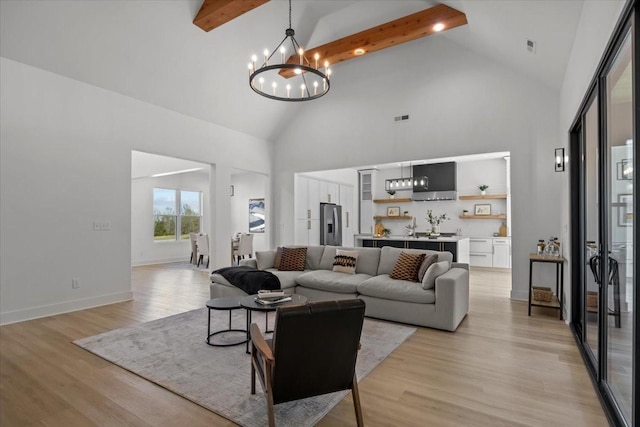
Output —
(435, 229)
(393, 196)
(483, 192)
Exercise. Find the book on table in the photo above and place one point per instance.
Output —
(272, 301)
(271, 295)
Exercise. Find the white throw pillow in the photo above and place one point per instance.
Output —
(345, 261)
(433, 272)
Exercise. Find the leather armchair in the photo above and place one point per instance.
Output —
(313, 352)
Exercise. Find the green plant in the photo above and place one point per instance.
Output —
(436, 219)
(391, 192)
(483, 187)
(386, 232)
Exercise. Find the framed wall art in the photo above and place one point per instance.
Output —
(393, 211)
(483, 209)
(256, 216)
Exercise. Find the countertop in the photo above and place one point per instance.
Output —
(400, 237)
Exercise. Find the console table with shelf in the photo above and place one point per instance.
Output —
(556, 300)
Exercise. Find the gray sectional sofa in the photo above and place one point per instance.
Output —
(441, 305)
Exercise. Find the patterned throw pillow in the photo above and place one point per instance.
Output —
(292, 259)
(407, 267)
(345, 261)
(428, 260)
(433, 272)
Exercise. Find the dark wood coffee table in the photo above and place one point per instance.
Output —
(229, 304)
(250, 304)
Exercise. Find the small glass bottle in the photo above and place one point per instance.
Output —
(540, 247)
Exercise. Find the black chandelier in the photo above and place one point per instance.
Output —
(305, 83)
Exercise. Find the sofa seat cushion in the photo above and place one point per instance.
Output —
(331, 281)
(400, 290)
(287, 278)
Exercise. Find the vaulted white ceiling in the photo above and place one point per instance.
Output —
(151, 51)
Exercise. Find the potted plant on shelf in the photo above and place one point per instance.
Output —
(435, 221)
(483, 189)
(465, 212)
(391, 193)
(386, 232)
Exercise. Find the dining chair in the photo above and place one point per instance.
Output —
(203, 249)
(313, 352)
(193, 237)
(245, 246)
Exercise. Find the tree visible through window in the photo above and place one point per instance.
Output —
(175, 210)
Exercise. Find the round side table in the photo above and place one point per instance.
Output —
(229, 304)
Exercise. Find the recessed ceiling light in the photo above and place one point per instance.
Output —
(438, 27)
(359, 51)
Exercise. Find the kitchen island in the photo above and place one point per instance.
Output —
(457, 245)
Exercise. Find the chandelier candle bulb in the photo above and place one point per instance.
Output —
(271, 70)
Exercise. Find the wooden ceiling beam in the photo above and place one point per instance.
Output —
(392, 33)
(214, 13)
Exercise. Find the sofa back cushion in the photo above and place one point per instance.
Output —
(314, 255)
(267, 259)
(368, 259)
(389, 256)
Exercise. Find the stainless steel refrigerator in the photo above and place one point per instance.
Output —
(330, 224)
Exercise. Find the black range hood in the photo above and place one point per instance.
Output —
(440, 180)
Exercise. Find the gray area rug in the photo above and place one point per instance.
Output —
(172, 353)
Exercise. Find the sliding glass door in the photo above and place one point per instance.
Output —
(604, 232)
(620, 228)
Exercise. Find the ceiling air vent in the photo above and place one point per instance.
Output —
(531, 46)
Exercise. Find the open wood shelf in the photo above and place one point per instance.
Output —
(392, 217)
(398, 200)
(483, 217)
(483, 197)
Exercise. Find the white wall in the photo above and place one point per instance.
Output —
(597, 23)
(144, 250)
(459, 103)
(65, 157)
(249, 186)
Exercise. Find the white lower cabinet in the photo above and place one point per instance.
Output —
(502, 253)
(490, 252)
(481, 252)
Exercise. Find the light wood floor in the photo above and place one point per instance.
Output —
(500, 368)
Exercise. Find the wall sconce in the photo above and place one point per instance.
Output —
(560, 160)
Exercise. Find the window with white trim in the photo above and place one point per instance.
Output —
(176, 213)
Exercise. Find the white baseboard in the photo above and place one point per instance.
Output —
(141, 262)
(63, 307)
(520, 295)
